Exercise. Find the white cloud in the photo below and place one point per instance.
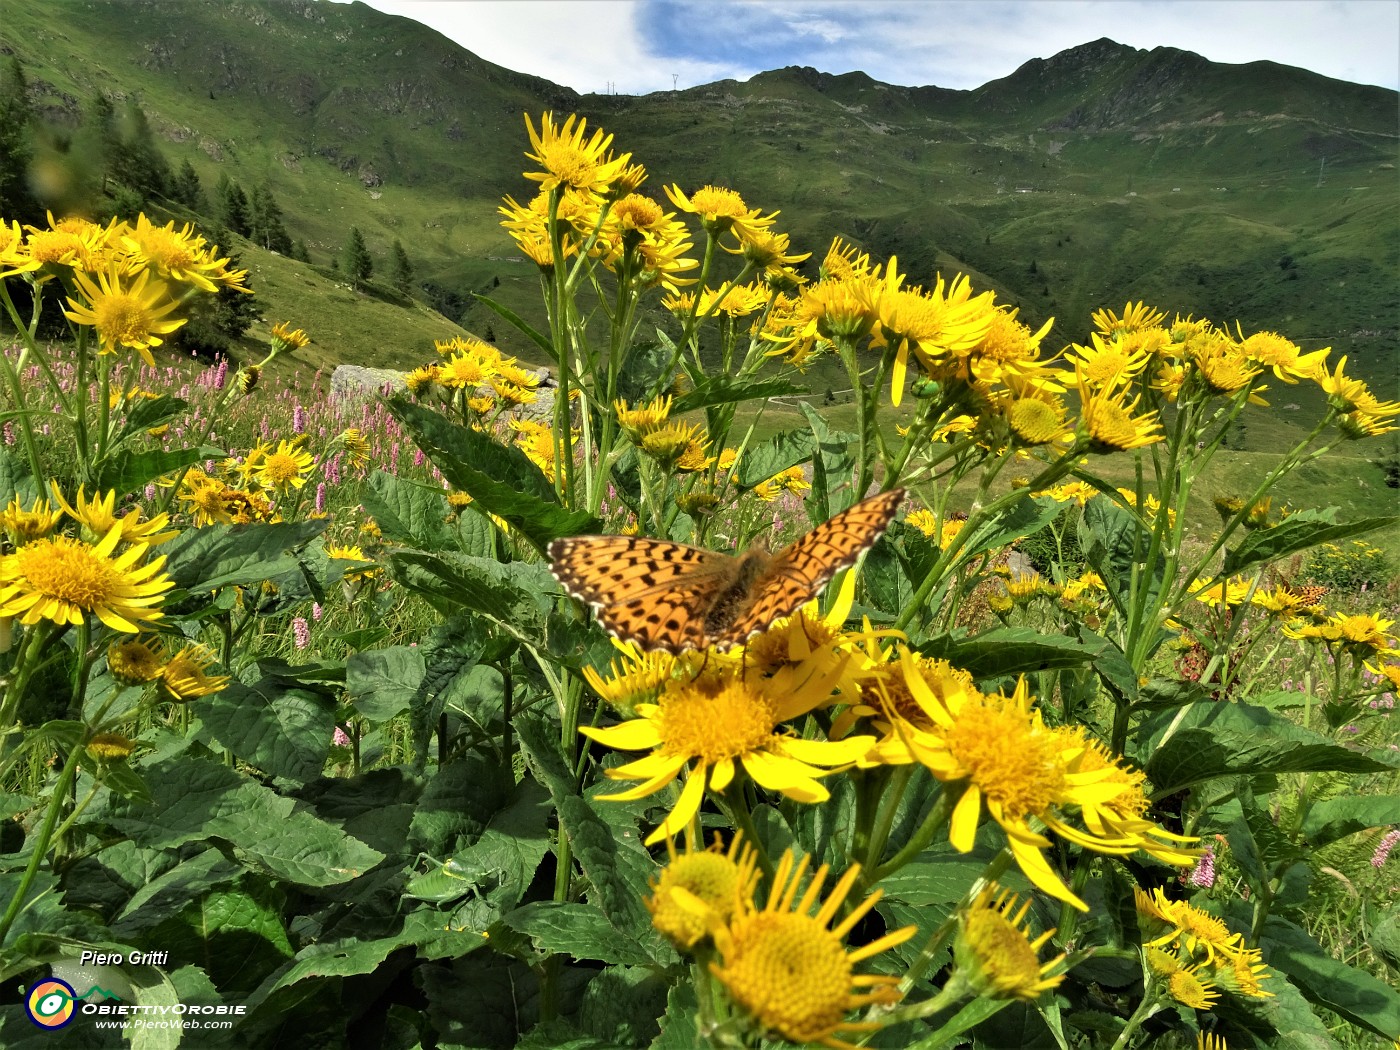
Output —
(636, 46)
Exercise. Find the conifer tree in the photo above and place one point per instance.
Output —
(357, 259)
(234, 211)
(266, 222)
(16, 151)
(138, 161)
(403, 269)
(186, 189)
(101, 141)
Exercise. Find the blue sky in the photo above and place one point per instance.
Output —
(639, 46)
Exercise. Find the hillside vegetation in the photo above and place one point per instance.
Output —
(1258, 193)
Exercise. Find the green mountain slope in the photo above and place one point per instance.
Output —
(1257, 193)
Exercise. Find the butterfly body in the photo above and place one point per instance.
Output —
(664, 595)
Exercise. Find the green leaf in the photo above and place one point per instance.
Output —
(1011, 650)
(500, 478)
(1336, 818)
(1114, 543)
(410, 512)
(622, 1006)
(725, 390)
(383, 682)
(128, 470)
(515, 595)
(196, 799)
(142, 413)
(519, 324)
(1215, 740)
(577, 930)
(763, 459)
(279, 728)
(16, 481)
(1306, 528)
(1384, 937)
(512, 846)
(617, 874)
(1352, 993)
(1022, 518)
(680, 1024)
(215, 556)
(164, 895)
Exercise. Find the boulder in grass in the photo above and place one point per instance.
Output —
(358, 381)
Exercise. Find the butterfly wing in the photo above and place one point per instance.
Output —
(651, 592)
(801, 570)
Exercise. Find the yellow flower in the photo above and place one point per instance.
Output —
(668, 442)
(110, 747)
(725, 719)
(722, 210)
(788, 969)
(14, 258)
(1008, 762)
(1107, 363)
(128, 312)
(568, 160)
(537, 442)
(1136, 317)
(22, 525)
(1187, 929)
(286, 468)
(184, 678)
(994, 955)
(639, 676)
(349, 552)
(99, 515)
(355, 445)
(205, 496)
(1191, 987)
(1080, 492)
(1109, 423)
(175, 255)
(63, 579)
(284, 337)
(1038, 418)
(1224, 593)
(701, 889)
(638, 421)
(1288, 362)
(1224, 367)
(135, 661)
(421, 380)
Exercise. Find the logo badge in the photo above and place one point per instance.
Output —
(49, 1003)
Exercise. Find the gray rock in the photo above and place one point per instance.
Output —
(358, 381)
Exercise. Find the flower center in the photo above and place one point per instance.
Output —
(729, 723)
(67, 570)
(789, 971)
(122, 317)
(1012, 763)
(1006, 957)
(280, 468)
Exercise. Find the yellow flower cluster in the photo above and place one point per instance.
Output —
(709, 716)
(588, 201)
(48, 575)
(489, 381)
(249, 489)
(1194, 953)
(181, 676)
(124, 280)
(675, 446)
(784, 964)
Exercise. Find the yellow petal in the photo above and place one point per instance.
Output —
(786, 775)
(637, 735)
(963, 828)
(684, 810)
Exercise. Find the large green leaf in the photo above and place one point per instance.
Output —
(411, 512)
(724, 390)
(578, 930)
(142, 413)
(500, 478)
(1114, 543)
(1299, 531)
(1343, 989)
(197, 799)
(1021, 518)
(1012, 650)
(1214, 740)
(383, 682)
(763, 459)
(277, 726)
(515, 595)
(618, 875)
(1336, 818)
(222, 555)
(129, 469)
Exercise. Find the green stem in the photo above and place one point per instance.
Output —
(918, 842)
(41, 846)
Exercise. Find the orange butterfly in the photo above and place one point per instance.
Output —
(664, 595)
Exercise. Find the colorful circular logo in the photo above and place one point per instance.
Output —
(50, 1003)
